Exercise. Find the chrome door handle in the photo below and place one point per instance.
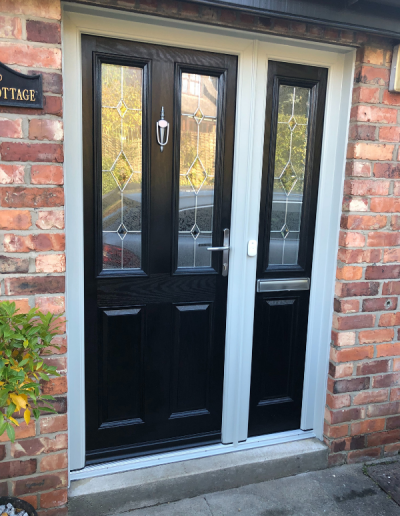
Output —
(225, 252)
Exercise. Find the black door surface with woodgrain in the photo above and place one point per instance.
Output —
(292, 150)
(156, 197)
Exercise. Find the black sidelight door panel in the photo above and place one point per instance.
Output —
(292, 151)
(158, 126)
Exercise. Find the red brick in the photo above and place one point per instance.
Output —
(51, 424)
(53, 498)
(337, 402)
(15, 219)
(384, 409)
(40, 483)
(10, 174)
(370, 151)
(47, 175)
(385, 204)
(373, 56)
(32, 499)
(382, 272)
(365, 398)
(29, 55)
(60, 363)
(10, 28)
(388, 350)
(53, 304)
(357, 456)
(351, 204)
(379, 304)
(349, 273)
(362, 132)
(374, 114)
(374, 336)
(46, 152)
(55, 386)
(366, 95)
(351, 354)
(396, 361)
(393, 423)
(21, 432)
(352, 385)
(53, 462)
(395, 222)
(335, 431)
(347, 239)
(350, 414)
(395, 394)
(61, 343)
(383, 239)
(31, 285)
(391, 99)
(346, 306)
(340, 370)
(357, 289)
(391, 287)
(41, 242)
(350, 443)
(373, 367)
(10, 128)
(39, 445)
(50, 219)
(391, 450)
(391, 255)
(353, 322)
(358, 168)
(336, 459)
(52, 82)
(22, 305)
(392, 319)
(389, 134)
(347, 338)
(43, 32)
(387, 170)
(20, 197)
(386, 380)
(17, 468)
(50, 263)
(42, 9)
(366, 187)
(384, 438)
(370, 75)
(10, 264)
(363, 221)
(43, 129)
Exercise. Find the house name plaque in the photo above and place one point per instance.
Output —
(20, 90)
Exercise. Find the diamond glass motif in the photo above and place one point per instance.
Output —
(198, 144)
(121, 148)
(289, 170)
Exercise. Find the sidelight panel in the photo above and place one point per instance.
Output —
(198, 143)
(121, 129)
(289, 170)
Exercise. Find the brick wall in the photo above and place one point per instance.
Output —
(32, 260)
(362, 420)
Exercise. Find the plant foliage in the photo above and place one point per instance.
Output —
(24, 339)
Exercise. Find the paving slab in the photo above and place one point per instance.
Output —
(342, 491)
(387, 476)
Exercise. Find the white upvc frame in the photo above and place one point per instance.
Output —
(253, 51)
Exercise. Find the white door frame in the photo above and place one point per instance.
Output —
(253, 51)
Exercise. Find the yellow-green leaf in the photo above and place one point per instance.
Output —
(27, 416)
(13, 420)
(26, 343)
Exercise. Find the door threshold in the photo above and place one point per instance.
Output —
(109, 468)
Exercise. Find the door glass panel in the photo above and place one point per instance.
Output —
(289, 169)
(197, 169)
(121, 128)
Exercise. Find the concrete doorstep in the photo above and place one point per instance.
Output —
(121, 492)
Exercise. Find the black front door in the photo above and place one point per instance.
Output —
(155, 296)
(292, 149)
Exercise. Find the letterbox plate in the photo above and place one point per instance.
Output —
(20, 90)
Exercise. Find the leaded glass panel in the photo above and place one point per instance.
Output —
(289, 169)
(121, 127)
(197, 169)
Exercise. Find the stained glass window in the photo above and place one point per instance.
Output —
(289, 169)
(121, 127)
(197, 169)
